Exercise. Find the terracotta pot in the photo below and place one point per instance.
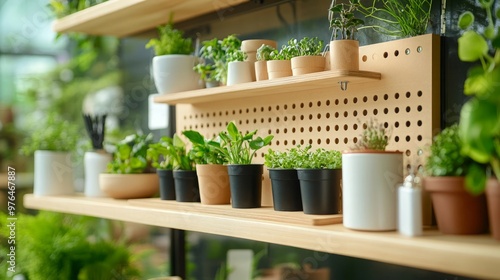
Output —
(261, 71)
(213, 182)
(344, 55)
(493, 196)
(279, 68)
(457, 211)
(126, 186)
(308, 64)
(250, 47)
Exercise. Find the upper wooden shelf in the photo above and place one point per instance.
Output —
(286, 85)
(126, 17)
(472, 256)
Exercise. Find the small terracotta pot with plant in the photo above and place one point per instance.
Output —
(370, 177)
(457, 211)
(310, 57)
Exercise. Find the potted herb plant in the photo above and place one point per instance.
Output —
(370, 179)
(263, 55)
(186, 181)
(129, 174)
(160, 154)
(238, 70)
(51, 143)
(457, 211)
(320, 177)
(245, 178)
(480, 115)
(280, 64)
(250, 47)
(216, 52)
(173, 63)
(207, 74)
(310, 58)
(284, 181)
(213, 179)
(344, 49)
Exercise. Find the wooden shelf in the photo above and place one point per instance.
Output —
(286, 85)
(126, 17)
(473, 256)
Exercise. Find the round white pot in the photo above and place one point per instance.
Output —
(239, 72)
(95, 163)
(174, 73)
(369, 189)
(53, 173)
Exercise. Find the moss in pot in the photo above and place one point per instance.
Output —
(245, 178)
(320, 177)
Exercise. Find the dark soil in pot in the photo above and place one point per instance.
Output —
(286, 190)
(186, 186)
(246, 185)
(320, 190)
(167, 186)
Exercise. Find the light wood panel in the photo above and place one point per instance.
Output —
(126, 17)
(473, 256)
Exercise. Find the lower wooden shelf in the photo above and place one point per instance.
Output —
(473, 256)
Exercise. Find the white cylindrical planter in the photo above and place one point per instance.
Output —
(95, 163)
(53, 173)
(239, 72)
(369, 189)
(174, 73)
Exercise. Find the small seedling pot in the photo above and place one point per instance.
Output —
(320, 190)
(214, 184)
(186, 186)
(245, 181)
(167, 185)
(286, 189)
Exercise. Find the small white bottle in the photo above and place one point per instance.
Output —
(410, 207)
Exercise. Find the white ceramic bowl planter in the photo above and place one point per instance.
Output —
(53, 173)
(369, 189)
(174, 73)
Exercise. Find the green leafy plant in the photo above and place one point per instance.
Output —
(60, 246)
(307, 46)
(288, 159)
(130, 156)
(399, 18)
(286, 52)
(181, 157)
(217, 53)
(264, 52)
(480, 116)
(170, 41)
(343, 21)
(375, 136)
(237, 55)
(239, 148)
(319, 159)
(204, 151)
(53, 133)
(206, 71)
(446, 158)
(160, 154)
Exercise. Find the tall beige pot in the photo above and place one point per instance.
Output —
(261, 70)
(213, 181)
(344, 55)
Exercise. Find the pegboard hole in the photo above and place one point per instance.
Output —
(319, 116)
(336, 127)
(408, 153)
(355, 100)
(396, 110)
(337, 115)
(337, 102)
(419, 93)
(375, 97)
(302, 130)
(277, 107)
(386, 96)
(408, 123)
(277, 131)
(419, 137)
(364, 58)
(285, 130)
(386, 54)
(375, 112)
(301, 141)
(355, 126)
(285, 142)
(310, 129)
(327, 128)
(285, 118)
(419, 49)
(337, 140)
(396, 139)
(396, 95)
(277, 142)
(293, 129)
(346, 100)
(355, 113)
(396, 53)
(346, 140)
(328, 103)
(293, 106)
(319, 128)
(365, 112)
(346, 114)
(419, 108)
(310, 116)
(355, 140)
(365, 99)
(408, 138)
(407, 51)
(396, 124)
(408, 94)
(285, 106)
(319, 141)
(386, 111)
(327, 140)
(294, 142)
(262, 109)
(419, 123)
(310, 141)
(301, 105)
(327, 115)
(346, 127)
(408, 109)
(301, 117)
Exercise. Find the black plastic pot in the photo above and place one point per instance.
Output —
(186, 186)
(245, 182)
(286, 190)
(320, 190)
(167, 186)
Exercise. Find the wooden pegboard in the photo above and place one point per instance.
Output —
(405, 99)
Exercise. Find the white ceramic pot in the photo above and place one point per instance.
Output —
(53, 174)
(369, 189)
(239, 72)
(174, 73)
(95, 163)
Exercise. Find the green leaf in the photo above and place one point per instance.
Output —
(478, 124)
(123, 151)
(465, 20)
(178, 143)
(194, 136)
(233, 131)
(257, 144)
(475, 180)
(268, 139)
(471, 46)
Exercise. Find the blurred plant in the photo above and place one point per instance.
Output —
(264, 52)
(204, 151)
(170, 41)
(130, 155)
(289, 159)
(160, 154)
(342, 19)
(479, 125)
(307, 46)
